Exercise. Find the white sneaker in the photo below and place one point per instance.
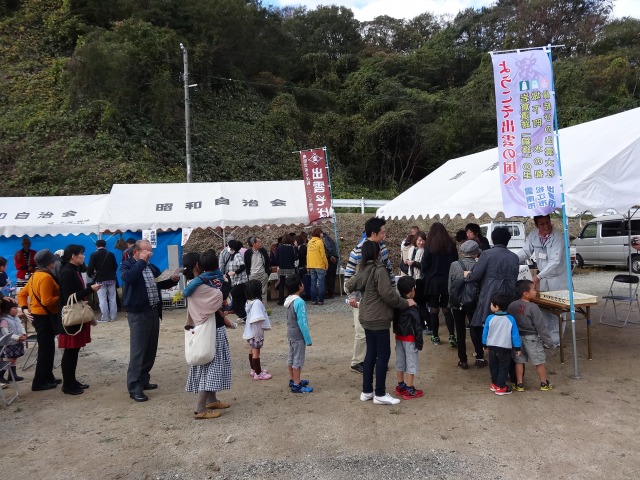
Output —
(366, 396)
(386, 400)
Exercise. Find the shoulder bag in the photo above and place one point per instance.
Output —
(76, 312)
(200, 342)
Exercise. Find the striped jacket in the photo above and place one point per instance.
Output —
(355, 258)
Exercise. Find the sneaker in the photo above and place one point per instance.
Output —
(435, 340)
(545, 387)
(303, 383)
(301, 389)
(452, 341)
(427, 331)
(480, 363)
(503, 391)
(411, 393)
(358, 368)
(252, 373)
(493, 387)
(518, 387)
(264, 375)
(366, 396)
(386, 399)
(103, 321)
(401, 388)
(4, 385)
(463, 365)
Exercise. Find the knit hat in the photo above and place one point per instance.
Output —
(470, 248)
(44, 258)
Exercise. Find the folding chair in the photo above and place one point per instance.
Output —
(29, 361)
(6, 367)
(32, 357)
(624, 289)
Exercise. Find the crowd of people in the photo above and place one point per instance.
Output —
(502, 320)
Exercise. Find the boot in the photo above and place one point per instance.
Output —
(15, 375)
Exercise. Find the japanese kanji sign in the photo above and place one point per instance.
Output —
(316, 183)
(525, 108)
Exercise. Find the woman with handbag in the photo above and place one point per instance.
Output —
(72, 339)
(43, 294)
(206, 293)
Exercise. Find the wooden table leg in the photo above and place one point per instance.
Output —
(560, 337)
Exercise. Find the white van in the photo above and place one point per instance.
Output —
(605, 241)
(516, 229)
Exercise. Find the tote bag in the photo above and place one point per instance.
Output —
(200, 342)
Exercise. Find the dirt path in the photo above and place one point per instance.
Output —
(583, 429)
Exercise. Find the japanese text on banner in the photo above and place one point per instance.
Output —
(316, 183)
(525, 108)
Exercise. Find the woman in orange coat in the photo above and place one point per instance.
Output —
(43, 295)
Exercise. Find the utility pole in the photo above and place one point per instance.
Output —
(187, 123)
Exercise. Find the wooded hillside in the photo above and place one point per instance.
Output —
(91, 91)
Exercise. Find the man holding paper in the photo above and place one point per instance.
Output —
(143, 301)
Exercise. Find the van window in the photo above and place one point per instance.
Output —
(635, 228)
(515, 231)
(612, 228)
(483, 230)
(590, 230)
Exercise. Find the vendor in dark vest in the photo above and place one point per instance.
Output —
(143, 301)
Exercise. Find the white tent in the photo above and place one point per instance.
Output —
(600, 161)
(42, 216)
(171, 206)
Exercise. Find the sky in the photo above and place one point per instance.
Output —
(365, 10)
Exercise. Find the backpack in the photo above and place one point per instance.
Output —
(464, 294)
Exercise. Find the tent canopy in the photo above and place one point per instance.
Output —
(599, 163)
(42, 216)
(171, 206)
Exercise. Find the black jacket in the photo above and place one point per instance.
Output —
(408, 322)
(265, 255)
(287, 256)
(102, 266)
(70, 282)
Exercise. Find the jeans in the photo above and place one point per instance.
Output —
(378, 354)
(317, 284)
(499, 361)
(108, 304)
(144, 329)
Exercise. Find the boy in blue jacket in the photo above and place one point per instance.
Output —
(297, 334)
(499, 337)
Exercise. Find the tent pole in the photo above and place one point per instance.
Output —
(335, 222)
(565, 227)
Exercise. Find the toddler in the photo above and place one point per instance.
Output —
(10, 324)
(257, 322)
